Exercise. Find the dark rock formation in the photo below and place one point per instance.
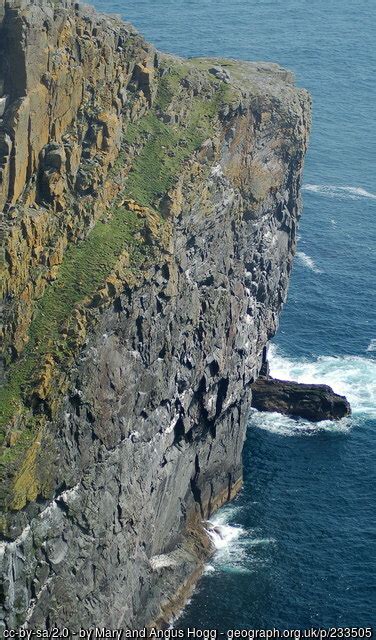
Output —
(313, 402)
(150, 211)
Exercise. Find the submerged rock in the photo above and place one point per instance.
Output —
(313, 402)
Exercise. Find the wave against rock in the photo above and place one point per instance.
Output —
(313, 402)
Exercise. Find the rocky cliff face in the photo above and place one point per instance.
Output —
(150, 211)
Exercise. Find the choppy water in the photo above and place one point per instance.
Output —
(303, 551)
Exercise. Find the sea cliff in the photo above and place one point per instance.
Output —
(150, 207)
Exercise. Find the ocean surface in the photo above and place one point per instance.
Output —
(300, 540)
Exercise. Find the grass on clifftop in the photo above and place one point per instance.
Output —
(167, 146)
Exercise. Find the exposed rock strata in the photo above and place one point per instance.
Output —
(131, 350)
(313, 402)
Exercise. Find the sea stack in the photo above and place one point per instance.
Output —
(150, 207)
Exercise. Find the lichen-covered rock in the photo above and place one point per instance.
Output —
(126, 401)
(64, 75)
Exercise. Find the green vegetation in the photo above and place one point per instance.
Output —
(167, 146)
(83, 271)
(164, 145)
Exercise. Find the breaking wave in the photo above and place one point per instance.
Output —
(351, 376)
(220, 532)
(233, 544)
(286, 426)
(333, 191)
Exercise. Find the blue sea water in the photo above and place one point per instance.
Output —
(300, 540)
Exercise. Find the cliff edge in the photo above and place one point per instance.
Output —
(150, 207)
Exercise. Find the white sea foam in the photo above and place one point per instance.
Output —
(372, 345)
(352, 376)
(254, 542)
(209, 569)
(221, 533)
(334, 191)
(308, 262)
(229, 540)
(235, 546)
(226, 540)
(285, 426)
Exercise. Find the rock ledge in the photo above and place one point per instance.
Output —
(313, 402)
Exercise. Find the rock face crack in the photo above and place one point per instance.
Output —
(196, 491)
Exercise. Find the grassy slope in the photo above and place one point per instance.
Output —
(83, 270)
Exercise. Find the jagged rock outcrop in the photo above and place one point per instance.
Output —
(313, 402)
(150, 214)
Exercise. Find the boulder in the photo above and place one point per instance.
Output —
(313, 402)
(220, 73)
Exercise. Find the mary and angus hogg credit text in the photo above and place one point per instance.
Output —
(189, 633)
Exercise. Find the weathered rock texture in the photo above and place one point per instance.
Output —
(313, 402)
(64, 86)
(150, 214)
